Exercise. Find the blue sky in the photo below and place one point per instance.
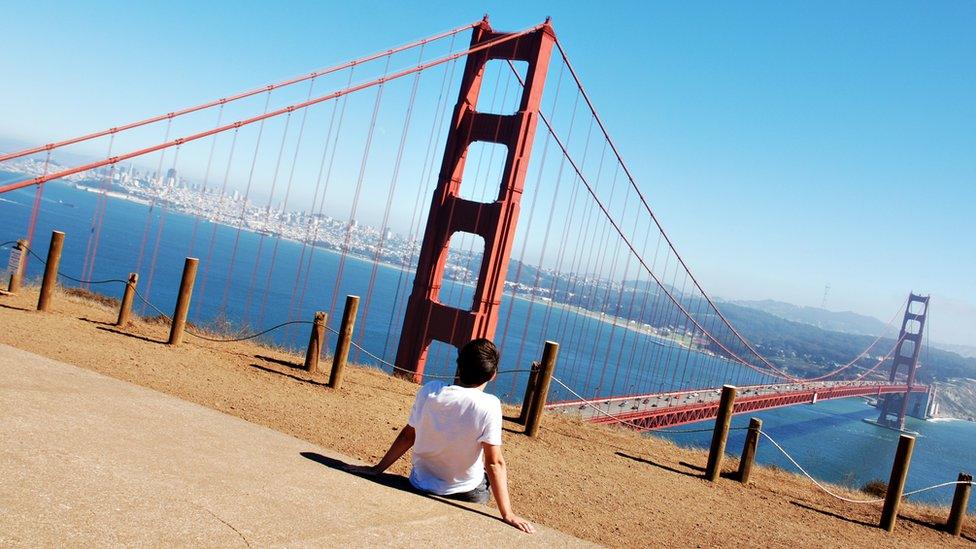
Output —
(784, 145)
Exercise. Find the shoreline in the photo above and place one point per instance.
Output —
(610, 320)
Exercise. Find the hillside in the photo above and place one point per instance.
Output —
(839, 321)
(967, 351)
(836, 321)
(794, 343)
(807, 349)
(954, 399)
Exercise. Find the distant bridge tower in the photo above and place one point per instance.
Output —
(906, 355)
(426, 318)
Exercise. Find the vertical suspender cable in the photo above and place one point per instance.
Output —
(95, 228)
(384, 226)
(216, 218)
(240, 221)
(359, 187)
(321, 208)
(159, 233)
(36, 208)
(424, 183)
(152, 202)
(314, 214)
(206, 180)
(267, 217)
(284, 208)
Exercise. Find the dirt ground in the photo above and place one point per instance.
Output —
(604, 484)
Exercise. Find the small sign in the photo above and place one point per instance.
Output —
(14, 262)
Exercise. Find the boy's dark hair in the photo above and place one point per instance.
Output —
(477, 362)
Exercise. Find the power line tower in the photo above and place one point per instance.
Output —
(823, 303)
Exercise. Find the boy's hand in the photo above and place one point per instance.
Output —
(365, 470)
(520, 523)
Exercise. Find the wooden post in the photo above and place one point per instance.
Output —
(316, 340)
(749, 450)
(183, 301)
(125, 309)
(530, 385)
(345, 341)
(17, 275)
(721, 433)
(51, 271)
(896, 483)
(541, 390)
(960, 500)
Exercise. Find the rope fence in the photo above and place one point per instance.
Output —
(254, 335)
(33, 254)
(197, 335)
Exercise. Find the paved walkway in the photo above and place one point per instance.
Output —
(89, 460)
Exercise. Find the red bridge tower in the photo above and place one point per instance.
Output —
(427, 319)
(906, 355)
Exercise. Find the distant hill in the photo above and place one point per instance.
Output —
(963, 350)
(836, 321)
(839, 321)
(798, 343)
(807, 349)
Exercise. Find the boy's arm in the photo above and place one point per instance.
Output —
(498, 476)
(404, 441)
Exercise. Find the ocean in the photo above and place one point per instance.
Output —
(827, 438)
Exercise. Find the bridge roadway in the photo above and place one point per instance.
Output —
(654, 411)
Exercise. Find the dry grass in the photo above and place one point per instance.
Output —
(79, 295)
(877, 488)
(607, 485)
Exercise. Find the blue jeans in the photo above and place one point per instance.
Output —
(481, 493)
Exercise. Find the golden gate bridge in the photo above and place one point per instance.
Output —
(528, 171)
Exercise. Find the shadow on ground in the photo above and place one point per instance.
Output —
(280, 362)
(127, 334)
(292, 376)
(659, 465)
(731, 475)
(93, 321)
(833, 515)
(937, 526)
(396, 482)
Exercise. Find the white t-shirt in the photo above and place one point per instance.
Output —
(451, 423)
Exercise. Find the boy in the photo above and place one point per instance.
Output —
(456, 434)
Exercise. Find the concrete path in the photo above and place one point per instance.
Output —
(87, 460)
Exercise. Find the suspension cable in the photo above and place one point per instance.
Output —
(223, 101)
(277, 112)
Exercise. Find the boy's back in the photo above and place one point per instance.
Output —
(451, 423)
(456, 435)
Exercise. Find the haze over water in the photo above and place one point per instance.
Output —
(828, 438)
